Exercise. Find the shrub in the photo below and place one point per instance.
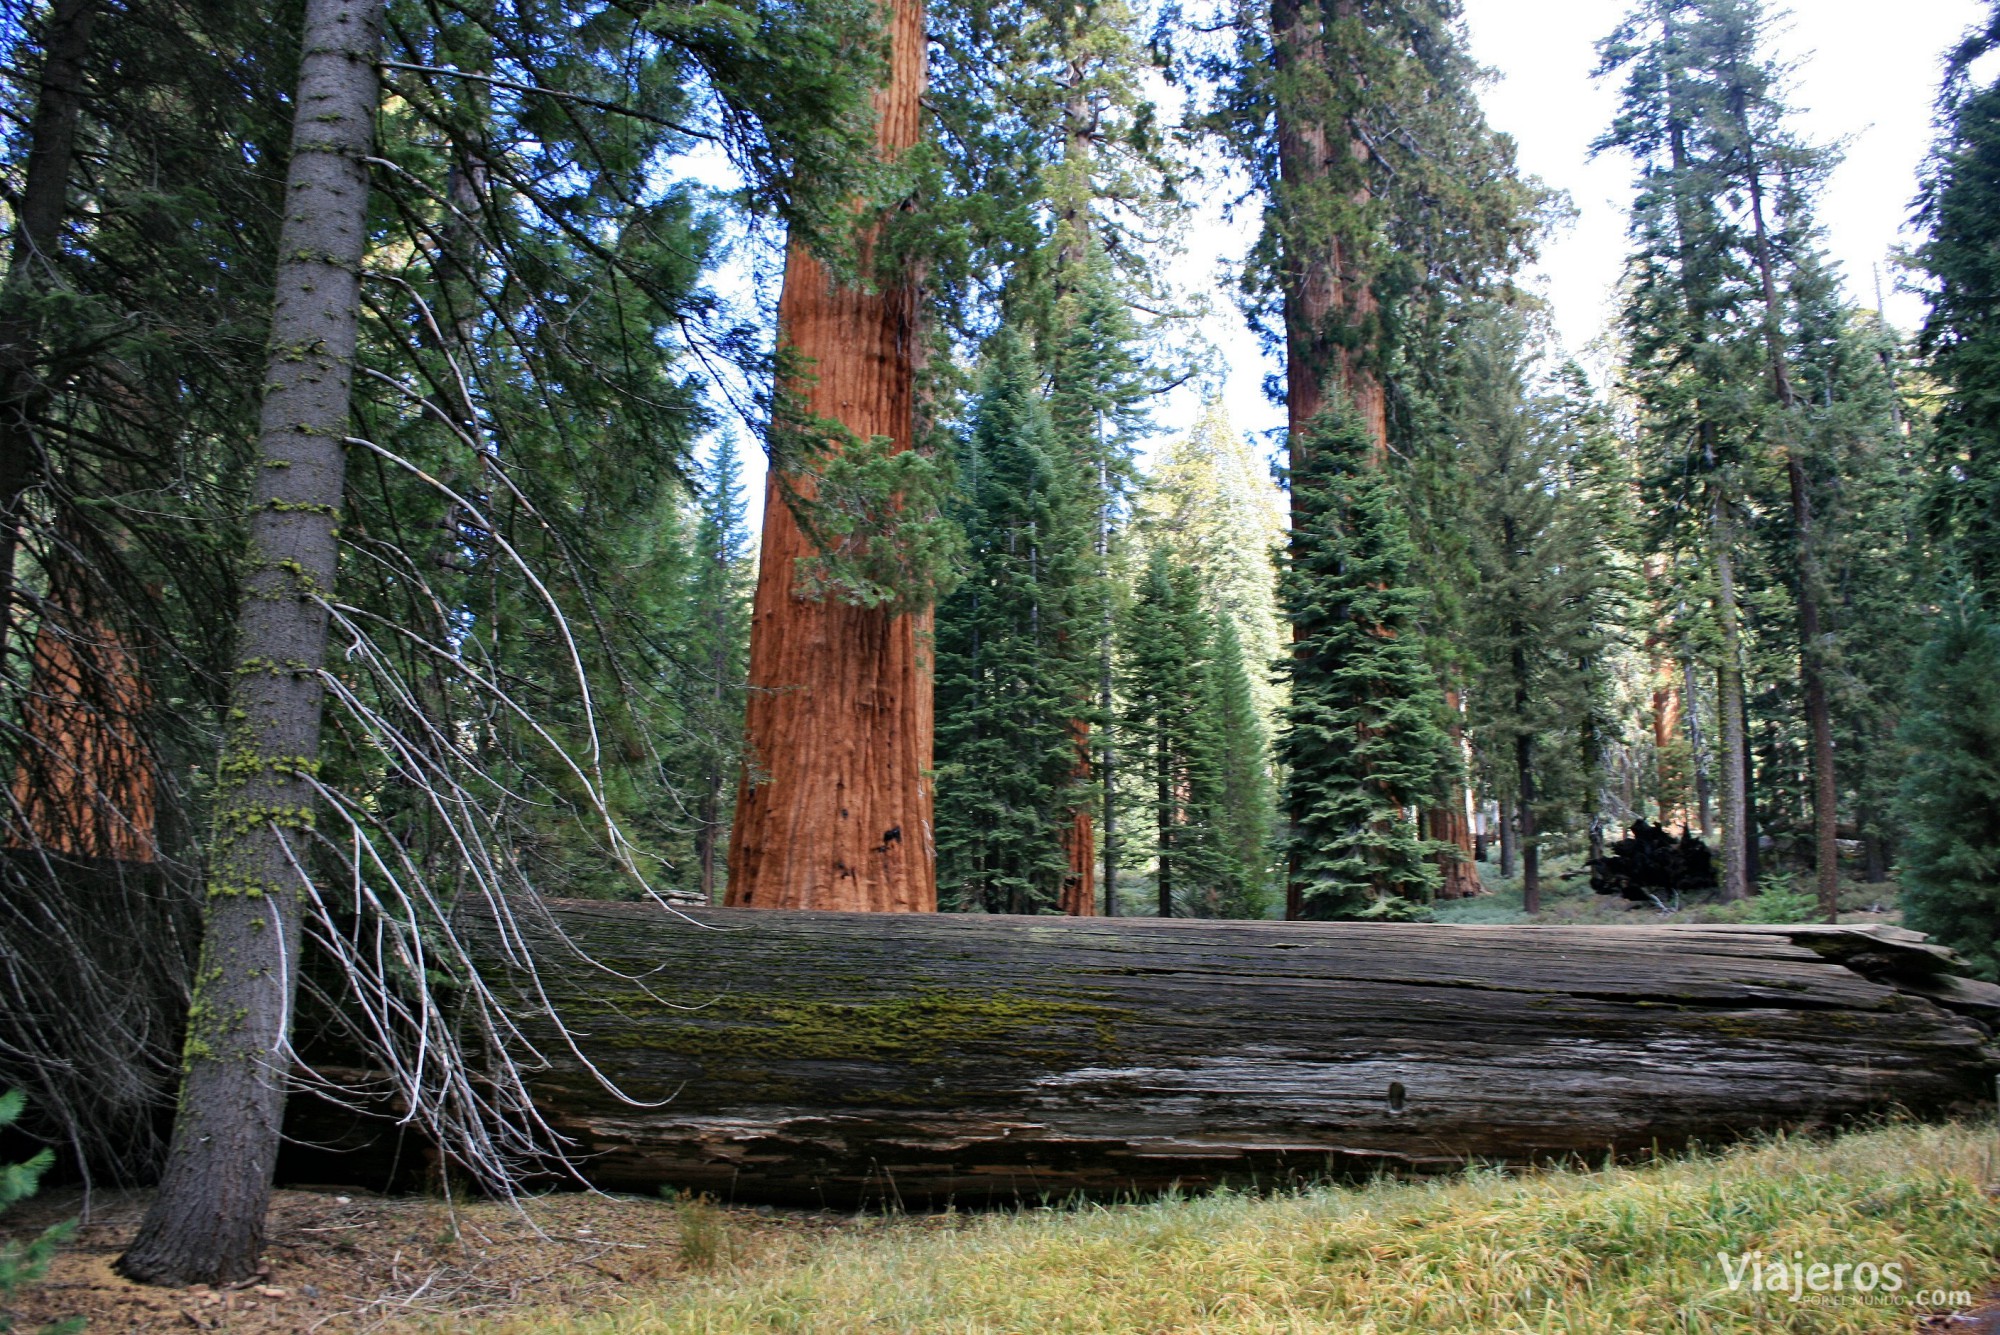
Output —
(22, 1263)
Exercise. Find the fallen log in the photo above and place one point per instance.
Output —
(836, 1059)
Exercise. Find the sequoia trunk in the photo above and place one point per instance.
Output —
(1326, 294)
(207, 1222)
(834, 810)
(1079, 891)
(834, 1059)
(1451, 823)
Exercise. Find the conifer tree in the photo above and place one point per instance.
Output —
(1540, 620)
(715, 654)
(1961, 336)
(1246, 803)
(1689, 365)
(1013, 671)
(1950, 801)
(1363, 744)
(1171, 719)
(1212, 501)
(1949, 804)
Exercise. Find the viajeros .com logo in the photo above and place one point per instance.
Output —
(1799, 1278)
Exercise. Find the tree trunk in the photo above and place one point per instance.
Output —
(1703, 791)
(1079, 892)
(1451, 824)
(84, 784)
(1165, 815)
(1326, 296)
(834, 811)
(1874, 848)
(1729, 703)
(1812, 673)
(841, 1059)
(207, 1222)
(1752, 871)
(38, 216)
(1507, 837)
(1108, 775)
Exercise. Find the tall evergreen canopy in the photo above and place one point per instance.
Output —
(1364, 744)
(1013, 671)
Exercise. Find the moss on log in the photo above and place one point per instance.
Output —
(840, 1058)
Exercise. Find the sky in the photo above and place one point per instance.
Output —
(1864, 76)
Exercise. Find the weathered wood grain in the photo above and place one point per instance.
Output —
(839, 1058)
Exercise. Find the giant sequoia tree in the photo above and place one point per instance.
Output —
(1385, 193)
(835, 809)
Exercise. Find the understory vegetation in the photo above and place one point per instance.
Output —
(1614, 1249)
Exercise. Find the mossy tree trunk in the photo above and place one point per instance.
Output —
(839, 1058)
(207, 1222)
(834, 811)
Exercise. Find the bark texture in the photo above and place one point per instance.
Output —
(1451, 823)
(843, 1058)
(84, 785)
(1326, 294)
(834, 810)
(1079, 891)
(207, 1222)
(1736, 845)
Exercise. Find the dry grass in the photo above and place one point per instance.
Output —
(1621, 1250)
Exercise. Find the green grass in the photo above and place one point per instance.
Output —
(1615, 1250)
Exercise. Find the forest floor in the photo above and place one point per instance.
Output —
(1633, 1249)
(1568, 900)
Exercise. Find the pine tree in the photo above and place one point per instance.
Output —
(1170, 723)
(1690, 365)
(1540, 617)
(207, 1222)
(1363, 743)
(1950, 801)
(1212, 501)
(1961, 335)
(1013, 671)
(1246, 802)
(716, 652)
(1097, 384)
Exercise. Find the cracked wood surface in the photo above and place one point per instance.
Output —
(839, 1058)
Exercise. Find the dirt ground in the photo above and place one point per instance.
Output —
(350, 1262)
(345, 1263)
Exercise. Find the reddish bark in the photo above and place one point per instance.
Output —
(1325, 291)
(834, 810)
(1079, 892)
(1451, 823)
(84, 785)
(1461, 874)
(1326, 295)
